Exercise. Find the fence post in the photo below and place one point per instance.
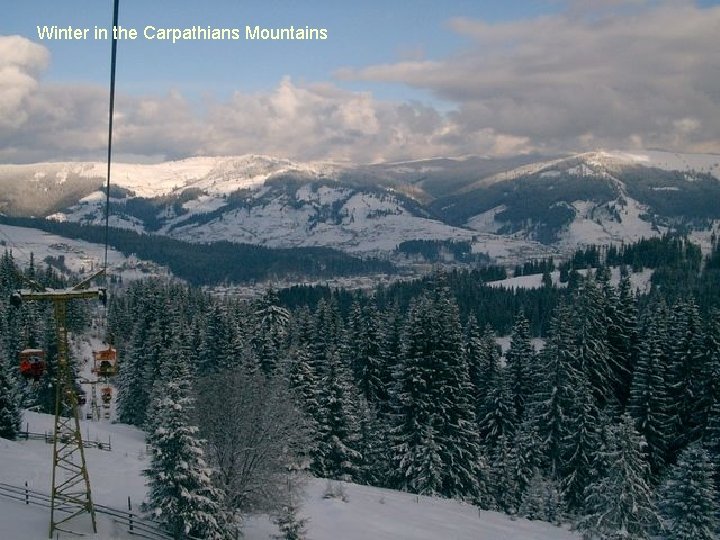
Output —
(27, 494)
(130, 516)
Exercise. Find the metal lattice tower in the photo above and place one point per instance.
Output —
(71, 492)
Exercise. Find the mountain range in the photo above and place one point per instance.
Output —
(510, 208)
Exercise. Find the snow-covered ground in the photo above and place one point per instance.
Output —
(369, 513)
(589, 229)
(78, 254)
(640, 280)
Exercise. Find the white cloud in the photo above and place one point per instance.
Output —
(582, 79)
(565, 80)
(20, 60)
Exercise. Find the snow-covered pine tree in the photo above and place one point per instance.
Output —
(215, 351)
(593, 353)
(474, 354)
(374, 446)
(427, 478)
(270, 332)
(454, 396)
(501, 475)
(622, 333)
(650, 404)
(432, 388)
(689, 376)
(363, 353)
(620, 504)
(135, 378)
(526, 458)
(290, 527)
(555, 405)
(520, 357)
(541, 499)
(181, 495)
(303, 381)
(10, 417)
(711, 431)
(688, 500)
(389, 329)
(581, 444)
(499, 420)
(483, 359)
(337, 454)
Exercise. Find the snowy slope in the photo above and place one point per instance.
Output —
(354, 221)
(382, 514)
(78, 255)
(222, 174)
(369, 514)
(667, 161)
(639, 281)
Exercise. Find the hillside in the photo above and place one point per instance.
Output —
(369, 513)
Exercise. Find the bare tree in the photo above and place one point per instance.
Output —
(256, 437)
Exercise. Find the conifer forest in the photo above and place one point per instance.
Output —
(602, 413)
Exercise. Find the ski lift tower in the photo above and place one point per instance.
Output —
(70, 480)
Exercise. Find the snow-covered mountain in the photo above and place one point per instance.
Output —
(592, 198)
(525, 204)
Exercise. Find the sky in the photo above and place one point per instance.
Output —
(393, 80)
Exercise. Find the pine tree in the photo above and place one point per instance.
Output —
(556, 394)
(337, 452)
(10, 416)
(216, 348)
(581, 444)
(432, 388)
(593, 354)
(363, 354)
(389, 326)
(622, 333)
(711, 440)
(620, 504)
(688, 500)
(711, 431)
(303, 380)
(520, 358)
(135, 379)
(541, 500)
(649, 402)
(483, 359)
(427, 478)
(500, 420)
(182, 496)
(290, 527)
(270, 332)
(501, 475)
(688, 372)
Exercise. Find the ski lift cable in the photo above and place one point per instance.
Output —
(113, 62)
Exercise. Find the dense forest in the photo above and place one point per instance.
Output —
(612, 425)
